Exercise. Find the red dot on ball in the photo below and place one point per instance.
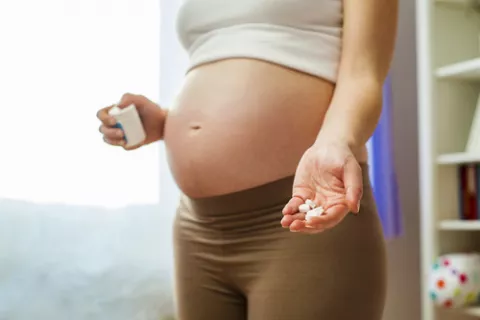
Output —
(441, 284)
(448, 303)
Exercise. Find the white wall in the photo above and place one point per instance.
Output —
(403, 300)
(60, 61)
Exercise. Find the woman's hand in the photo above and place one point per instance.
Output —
(152, 117)
(330, 175)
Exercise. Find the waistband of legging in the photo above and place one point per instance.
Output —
(265, 196)
(270, 195)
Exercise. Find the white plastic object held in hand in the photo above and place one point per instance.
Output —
(129, 121)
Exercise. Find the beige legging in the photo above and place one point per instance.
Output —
(235, 262)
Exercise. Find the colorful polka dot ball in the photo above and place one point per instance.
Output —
(455, 280)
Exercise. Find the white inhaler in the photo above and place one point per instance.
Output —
(129, 121)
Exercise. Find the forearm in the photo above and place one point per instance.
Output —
(354, 112)
(368, 43)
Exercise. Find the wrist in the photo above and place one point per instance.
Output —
(339, 137)
(353, 114)
(328, 141)
(162, 118)
(157, 119)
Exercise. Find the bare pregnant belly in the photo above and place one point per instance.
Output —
(241, 123)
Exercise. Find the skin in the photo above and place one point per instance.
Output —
(270, 122)
(329, 172)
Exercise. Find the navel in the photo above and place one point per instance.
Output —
(195, 127)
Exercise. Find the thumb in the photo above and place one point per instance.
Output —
(299, 196)
(352, 180)
(128, 99)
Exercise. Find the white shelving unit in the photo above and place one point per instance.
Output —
(448, 63)
(464, 70)
(459, 225)
(473, 311)
(457, 158)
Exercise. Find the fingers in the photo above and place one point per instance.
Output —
(303, 227)
(300, 194)
(352, 178)
(287, 220)
(105, 118)
(296, 223)
(333, 216)
(114, 142)
(292, 205)
(111, 132)
(113, 136)
(128, 98)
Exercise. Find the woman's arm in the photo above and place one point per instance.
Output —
(369, 35)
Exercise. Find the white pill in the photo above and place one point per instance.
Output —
(304, 208)
(310, 214)
(310, 203)
(317, 212)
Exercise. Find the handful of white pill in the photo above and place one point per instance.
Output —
(311, 209)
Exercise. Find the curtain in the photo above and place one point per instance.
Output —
(382, 169)
(173, 64)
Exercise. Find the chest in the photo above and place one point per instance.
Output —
(197, 17)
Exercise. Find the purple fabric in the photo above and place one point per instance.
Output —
(382, 169)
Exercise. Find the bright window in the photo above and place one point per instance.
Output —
(60, 61)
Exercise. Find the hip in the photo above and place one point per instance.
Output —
(235, 242)
(248, 223)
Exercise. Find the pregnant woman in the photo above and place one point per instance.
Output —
(278, 102)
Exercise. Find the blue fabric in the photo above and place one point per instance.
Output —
(382, 169)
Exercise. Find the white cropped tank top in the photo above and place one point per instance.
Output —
(304, 35)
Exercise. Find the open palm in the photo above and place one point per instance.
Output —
(331, 177)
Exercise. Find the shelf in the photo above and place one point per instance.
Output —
(460, 225)
(465, 70)
(448, 83)
(457, 3)
(458, 158)
(473, 311)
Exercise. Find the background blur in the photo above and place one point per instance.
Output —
(84, 228)
(82, 235)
